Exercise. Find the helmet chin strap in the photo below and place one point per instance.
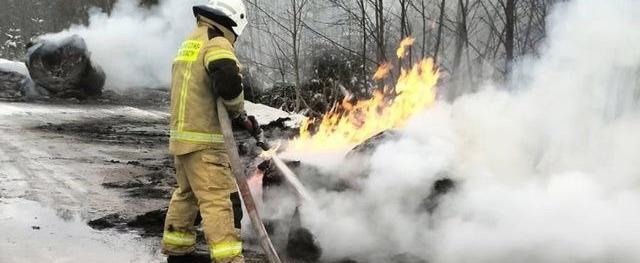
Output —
(227, 32)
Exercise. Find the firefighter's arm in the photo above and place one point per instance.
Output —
(222, 66)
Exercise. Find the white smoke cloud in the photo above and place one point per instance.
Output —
(134, 45)
(547, 172)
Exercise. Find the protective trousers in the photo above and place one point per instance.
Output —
(205, 183)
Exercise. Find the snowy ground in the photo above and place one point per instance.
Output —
(8, 65)
(51, 185)
(62, 165)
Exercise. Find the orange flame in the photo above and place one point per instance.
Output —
(352, 122)
(404, 45)
(383, 71)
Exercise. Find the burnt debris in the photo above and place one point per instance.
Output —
(440, 188)
(64, 68)
(12, 85)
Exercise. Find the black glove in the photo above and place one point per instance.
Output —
(248, 123)
(261, 142)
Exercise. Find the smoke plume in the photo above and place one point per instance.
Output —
(135, 45)
(546, 164)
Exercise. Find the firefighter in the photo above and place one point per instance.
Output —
(205, 69)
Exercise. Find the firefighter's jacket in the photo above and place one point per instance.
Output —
(204, 68)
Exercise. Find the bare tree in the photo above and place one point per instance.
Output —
(461, 32)
(381, 55)
(297, 14)
(510, 14)
(510, 24)
(405, 27)
(363, 28)
(485, 35)
(421, 8)
(436, 49)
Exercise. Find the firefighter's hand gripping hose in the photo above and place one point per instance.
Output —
(250, 124)
(247, 198)
(270, 153)
(289, 175)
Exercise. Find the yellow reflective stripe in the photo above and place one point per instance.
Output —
(196, 136)
(184, 90)
(180, 239)
(234, 101)
(189, 52)
(226, 250)
(217, 54)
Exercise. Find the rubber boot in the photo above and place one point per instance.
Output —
(189, 258)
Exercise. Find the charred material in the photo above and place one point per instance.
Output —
(64, 68)
(12, 85)
(298, 242)
(309, 175)
(15, 83)
(368, 146)
(359, 158)
(440, 188)
(114, 131)
(108, 221)
(301, 244)
(151, 222)
(362, 153)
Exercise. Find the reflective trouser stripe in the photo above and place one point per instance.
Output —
(226, 250)
(196, 137)
(180, 239)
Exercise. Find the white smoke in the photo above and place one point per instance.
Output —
(135, 45)
(548, 172)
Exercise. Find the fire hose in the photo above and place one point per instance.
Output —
(292, 179)
(250, 124)
(239, 173)
(288, 174)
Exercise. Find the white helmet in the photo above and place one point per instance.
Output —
(229, 13)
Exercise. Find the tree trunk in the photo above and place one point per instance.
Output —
(296, 52)
(510, 22)
(363, 25)
(532, 12)
(440, 26)
(405, 28)
(380, 24)
(461, 30)
(423, 14)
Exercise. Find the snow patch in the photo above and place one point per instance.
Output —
(265, 114)
(13, 66)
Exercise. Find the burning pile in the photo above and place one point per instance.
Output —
(351, 122)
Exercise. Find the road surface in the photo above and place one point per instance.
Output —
(52, 171)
